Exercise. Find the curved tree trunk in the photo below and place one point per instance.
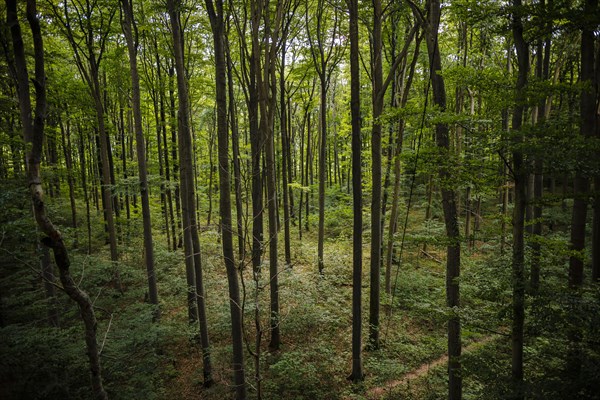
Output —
(33, 133)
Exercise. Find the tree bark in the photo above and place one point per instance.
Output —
(131, 36)
(518, 220)
(587, 129)
(377, 100)
(196, 298)
(285, 159)
(357, 374)
(218, 29)
(449, 207)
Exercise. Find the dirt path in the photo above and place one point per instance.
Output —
(379, 391)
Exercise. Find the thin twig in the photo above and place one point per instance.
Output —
(106, 334)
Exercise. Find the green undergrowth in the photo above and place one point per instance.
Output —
(145, 359)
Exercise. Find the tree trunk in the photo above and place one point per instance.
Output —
(581, 189)
(377, 99)
(285, 159)
(66, 142)
(235, 147)
(357, 364)
(174, 157)
(518, 219)
(450, 210)
(218, 29)
(130, 31)
(190, 229)
(587, 129)
(33, 133)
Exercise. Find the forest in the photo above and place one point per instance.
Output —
(300, 199)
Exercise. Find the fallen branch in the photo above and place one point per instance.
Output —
(431, 256)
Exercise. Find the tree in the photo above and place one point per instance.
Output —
(357, 366)
(188, 203)
(518, 219)
(32, 124)
(326, 54)
(448, 205)
(215, 13)
(130, 31)
(377, 100)
(587, 129)
(581, 186)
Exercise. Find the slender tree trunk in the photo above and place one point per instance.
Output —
(520, 177)
(506, 181)
(162, 137)
(542, 71)
(377, 100)
(196, 298)
(596, 232)
(218, 29)
(357, 364)
(235, 147)
(131, 36)
(174, 157)
(285, 159)
(159, 144)
(84, 185)
(581, 189)
(450, 210)
(66, 142)
(322, 168)
(405, 85)
(307, 174)
(256, 142)
(587, 129)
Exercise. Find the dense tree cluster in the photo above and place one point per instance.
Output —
(131, 122)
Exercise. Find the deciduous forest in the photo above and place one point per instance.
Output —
(300, 199)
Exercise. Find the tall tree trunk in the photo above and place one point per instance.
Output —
(174, 156)
(322, 168)
(357, 364)
(156, 94)
(596, 219)
(235, 148)
(285, 159)
(190, 229)
(66, 142)
(587, 129)
(581, 187)
(256, 140)
(33, 133)
(218, 29)
(131, 35)
(449, 207)
(518, 219)
(377, 100)
(84, 185)
(542, 71)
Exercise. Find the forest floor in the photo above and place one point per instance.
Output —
(378, 392)
(314, 360)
